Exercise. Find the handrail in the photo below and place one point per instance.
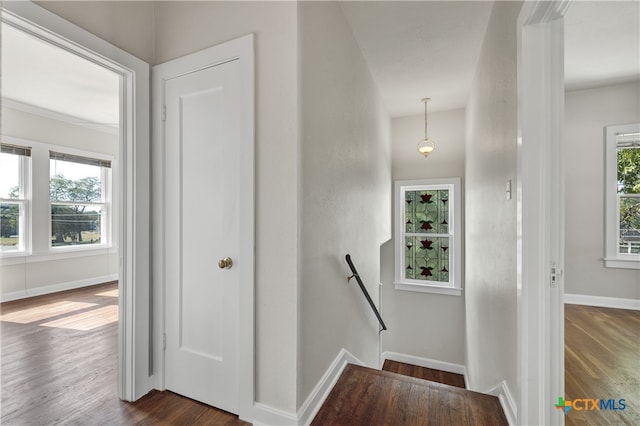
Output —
(364, 290)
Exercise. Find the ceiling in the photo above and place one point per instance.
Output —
(38, 74)
(414, 49)
(420, 49)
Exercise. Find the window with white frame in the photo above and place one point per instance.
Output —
(14, 197)
(428, 235)
(79, 194)
(622, 196)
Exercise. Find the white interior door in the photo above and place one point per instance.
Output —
(202, 139)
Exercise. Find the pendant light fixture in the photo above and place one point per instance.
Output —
(426, 145)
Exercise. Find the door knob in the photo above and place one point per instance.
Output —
(225, 263)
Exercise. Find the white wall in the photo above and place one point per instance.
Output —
(345, 193)
(423, 324)
(47, 270)
(586, 114)
(490, 161)
(126, 24)
(182, 28)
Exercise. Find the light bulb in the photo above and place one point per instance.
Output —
(426, 147)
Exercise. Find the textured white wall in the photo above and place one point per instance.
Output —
(423, 324)
(125, 24)
(490, 161)
(185, 27)
(586, 114)
(30, 274)
(345, 193)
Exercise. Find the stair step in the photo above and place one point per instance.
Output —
(429, 374)
(364, 396)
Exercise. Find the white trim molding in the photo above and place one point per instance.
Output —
(265, 415)
(426, 363)
(319, 394)
(501, 390)
(54, 288)
(601, 301)
(540, 211)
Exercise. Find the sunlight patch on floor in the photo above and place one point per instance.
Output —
(44, 312)
(110, 293)
(87, 320)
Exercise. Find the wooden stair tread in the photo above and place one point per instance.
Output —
(364, 396)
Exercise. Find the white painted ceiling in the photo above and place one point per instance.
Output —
(602, 43)
(39, 74)
(420, 49)
(414, 49)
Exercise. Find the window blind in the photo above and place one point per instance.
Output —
(6, 148)
(79, 159)
(628, 140)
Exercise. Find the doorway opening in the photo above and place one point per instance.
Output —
(53, 222)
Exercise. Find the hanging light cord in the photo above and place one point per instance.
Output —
(425, 117)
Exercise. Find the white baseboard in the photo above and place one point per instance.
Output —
(265, 415)
(54, 288)
(426, 363)
(316, 398)
(603, 302)
(501, 390)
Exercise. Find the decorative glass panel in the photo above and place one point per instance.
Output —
(427, 212)
(427, 258)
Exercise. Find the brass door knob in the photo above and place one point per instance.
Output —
(225, 263)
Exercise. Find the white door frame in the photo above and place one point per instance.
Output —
(133, 325)
(241, 49)
(540, 210)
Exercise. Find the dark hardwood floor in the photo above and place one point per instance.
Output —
(451, 379)
(363, 396)
(602, 361)
(59, 365)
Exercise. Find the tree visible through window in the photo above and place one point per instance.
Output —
(628, 162)
(77, 191)
(622, 196)
(13, 196)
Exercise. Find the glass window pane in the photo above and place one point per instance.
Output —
(629, 225)
(9, 175)
(75, 225)
(9, 226)
(71, 181)
(427, 211)
(629, 170)
(427, 258)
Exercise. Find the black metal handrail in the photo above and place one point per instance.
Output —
(364, 290)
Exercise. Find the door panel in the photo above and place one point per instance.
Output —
(202, 134)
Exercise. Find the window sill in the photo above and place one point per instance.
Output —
(622, 263)
(425, 288)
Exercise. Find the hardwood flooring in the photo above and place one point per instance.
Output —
(451, 379)
(59, 364)
(363, 396)
(602, 361)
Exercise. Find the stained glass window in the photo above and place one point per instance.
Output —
(427, 235)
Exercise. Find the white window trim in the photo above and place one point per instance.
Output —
(24, 205)
(455, 227)
(613, 259)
